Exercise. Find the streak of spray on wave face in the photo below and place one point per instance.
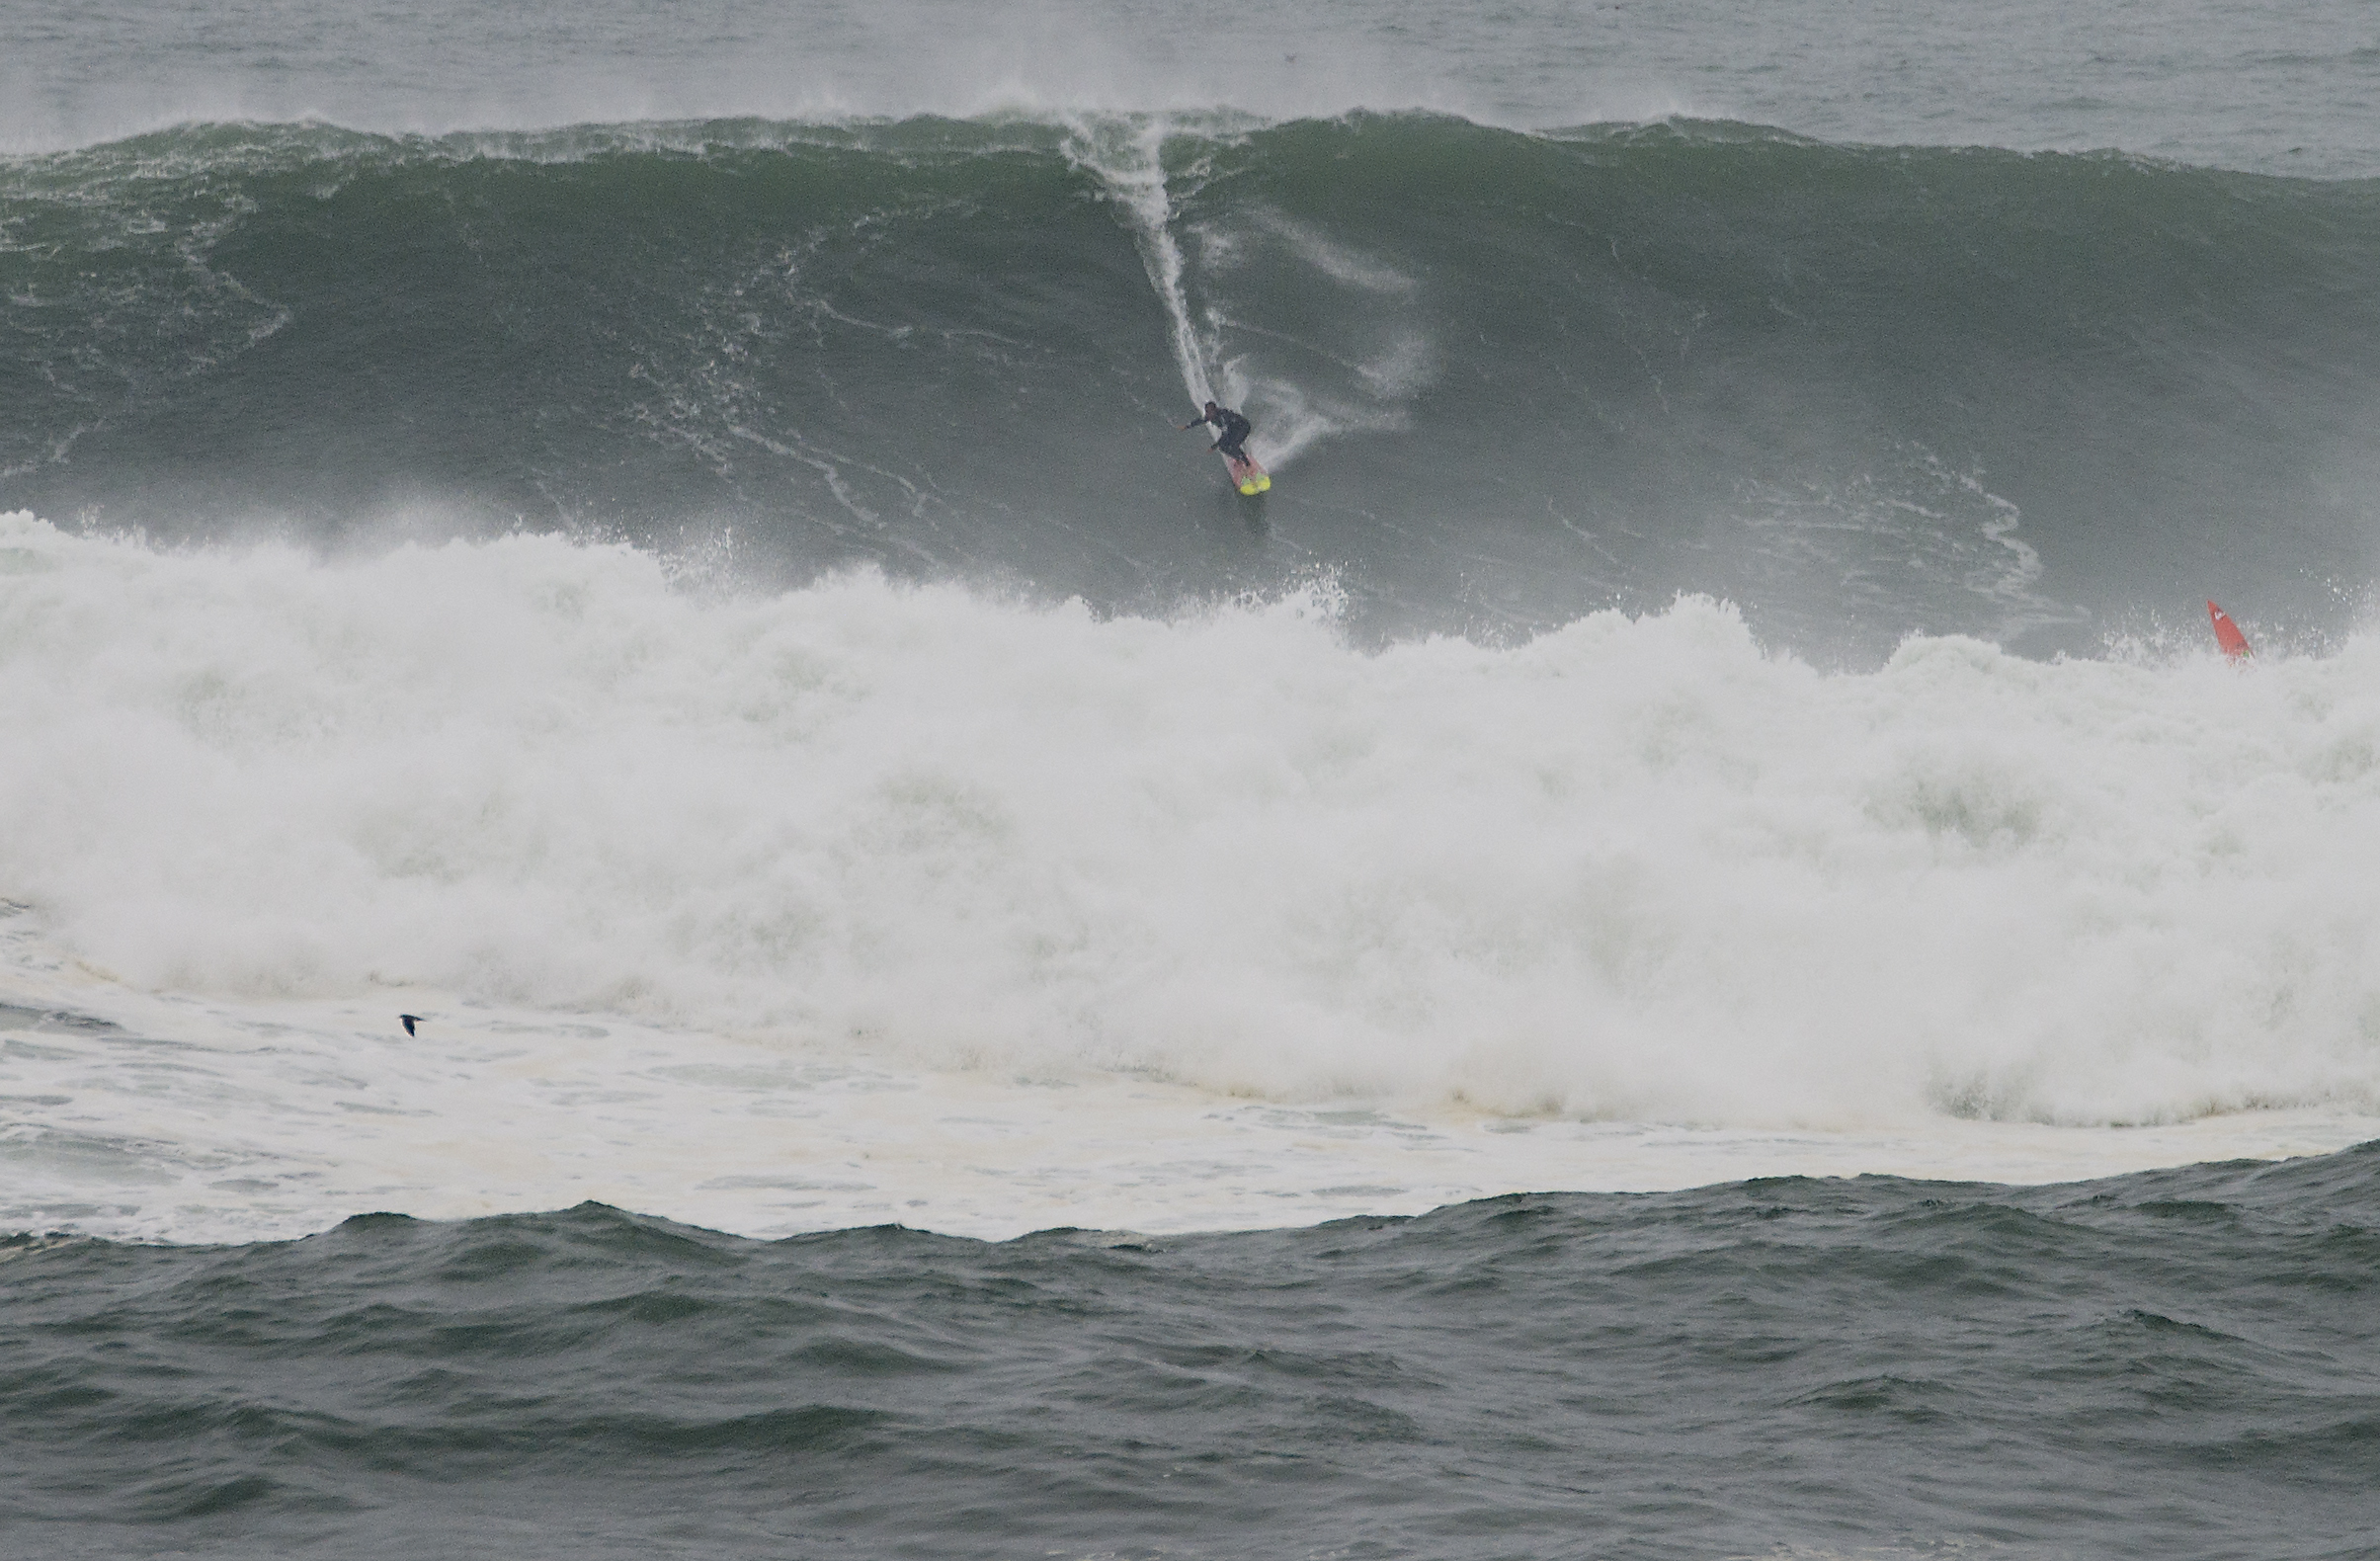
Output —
(1129, 156)
(1301, 389)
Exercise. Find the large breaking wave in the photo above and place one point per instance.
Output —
(1513, 378)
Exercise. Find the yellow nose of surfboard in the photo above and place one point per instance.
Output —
(1247, 476)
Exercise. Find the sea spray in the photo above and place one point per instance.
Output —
(1127, 155)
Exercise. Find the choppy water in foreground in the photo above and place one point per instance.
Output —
(2176, 1364)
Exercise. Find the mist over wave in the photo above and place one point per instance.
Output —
(2281, 88)
(1635, 867)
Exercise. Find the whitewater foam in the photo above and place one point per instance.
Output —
(926, 896)
(170, 1116)
(1634, 868)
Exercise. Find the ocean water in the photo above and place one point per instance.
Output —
(2175, 1363)
(1679, 945)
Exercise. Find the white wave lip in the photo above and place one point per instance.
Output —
(1637, 869)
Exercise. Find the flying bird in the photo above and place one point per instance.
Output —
(409, 1021)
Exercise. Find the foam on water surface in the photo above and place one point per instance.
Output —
(866, 901)
(194, 1121)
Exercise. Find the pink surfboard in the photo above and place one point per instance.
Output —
(1247, 476)
(2227, 633)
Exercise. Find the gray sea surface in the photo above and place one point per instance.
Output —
(2176, 1364)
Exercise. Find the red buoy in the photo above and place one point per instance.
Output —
(2227, 633)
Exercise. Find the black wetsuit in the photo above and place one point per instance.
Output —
(1235, 429)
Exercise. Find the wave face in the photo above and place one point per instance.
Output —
(1526, 1376)
(1509, 378)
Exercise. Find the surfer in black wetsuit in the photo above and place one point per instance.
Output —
(1236, 430)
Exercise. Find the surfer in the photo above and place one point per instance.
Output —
(1236, 430)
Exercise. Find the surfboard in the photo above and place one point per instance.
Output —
(2227, 633)
(1249, 477)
